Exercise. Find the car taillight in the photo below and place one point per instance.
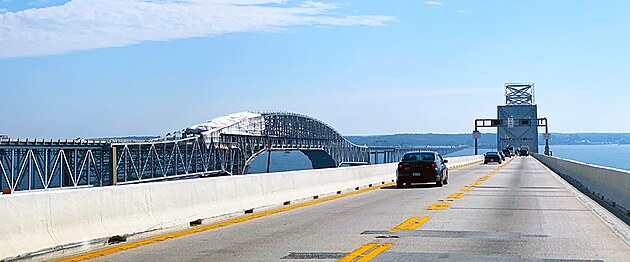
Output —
(400, 166)
(434, 165)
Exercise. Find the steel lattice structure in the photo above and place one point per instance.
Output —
(226, 151)
(38, 164)
(222, 146)
(519, 94)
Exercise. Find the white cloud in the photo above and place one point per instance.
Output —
(463, 12)
(89, 24)
(2, 10)
(320, 5)
(432, 2)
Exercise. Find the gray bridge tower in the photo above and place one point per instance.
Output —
(519, 118)
(517, 121)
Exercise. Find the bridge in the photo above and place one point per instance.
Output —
(518, 211)
(188, 196)
(225, 145)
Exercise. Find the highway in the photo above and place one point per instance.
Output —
(519, 211)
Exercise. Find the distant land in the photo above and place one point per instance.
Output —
(488, 140)
(127, 138)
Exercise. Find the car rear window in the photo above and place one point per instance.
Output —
(419, 157)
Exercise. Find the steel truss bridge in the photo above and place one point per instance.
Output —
(223, 146)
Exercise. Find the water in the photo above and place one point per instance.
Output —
(616, 156)
(281, 161)
(296, 160)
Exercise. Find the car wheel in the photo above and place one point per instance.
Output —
(446, 180)
(439, 183)
(399, 184)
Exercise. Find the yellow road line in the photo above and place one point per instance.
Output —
(358, 252)
(418, 223)
(439, 206)
(410, 224)
(372, 254)
(405, 224)
(367, 252)
(123, 247)
(456, 195)
(486, 177)
(468, 188)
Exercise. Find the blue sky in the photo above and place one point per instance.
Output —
(94, 68)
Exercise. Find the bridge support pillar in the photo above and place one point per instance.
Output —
(112, 167)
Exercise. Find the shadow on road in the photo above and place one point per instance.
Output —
(428, 185)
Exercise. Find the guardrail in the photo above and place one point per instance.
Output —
(608, 186)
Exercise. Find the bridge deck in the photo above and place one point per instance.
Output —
(523, 212)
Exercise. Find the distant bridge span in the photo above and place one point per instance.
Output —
(224, 145)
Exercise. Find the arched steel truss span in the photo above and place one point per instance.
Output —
(222, 146)
(247, 135)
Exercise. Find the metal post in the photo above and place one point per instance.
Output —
(476, 139)
(268, 155)
(112, 165)
(546, 138)
(476, 146)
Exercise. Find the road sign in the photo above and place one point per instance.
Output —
(547, 136)
(476, 134)
(510, 122)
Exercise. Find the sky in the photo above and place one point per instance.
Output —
(101, 68)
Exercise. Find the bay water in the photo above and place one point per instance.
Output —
(615, 156)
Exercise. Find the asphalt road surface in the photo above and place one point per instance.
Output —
(518, 212)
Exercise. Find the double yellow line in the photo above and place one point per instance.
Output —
(410, 224)
(367, 252)
(484, 178)
(439, 206)
(456, 195)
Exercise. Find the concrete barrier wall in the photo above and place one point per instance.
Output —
(608, 182)
(40, 222)
(455, 162)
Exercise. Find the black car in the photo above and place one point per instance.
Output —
(422, 167)
(492, 157)
(523, 152)
(507, 152)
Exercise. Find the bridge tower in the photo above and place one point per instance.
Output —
(517, 121)
(518, 118)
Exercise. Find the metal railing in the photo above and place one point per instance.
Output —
(36, 164)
